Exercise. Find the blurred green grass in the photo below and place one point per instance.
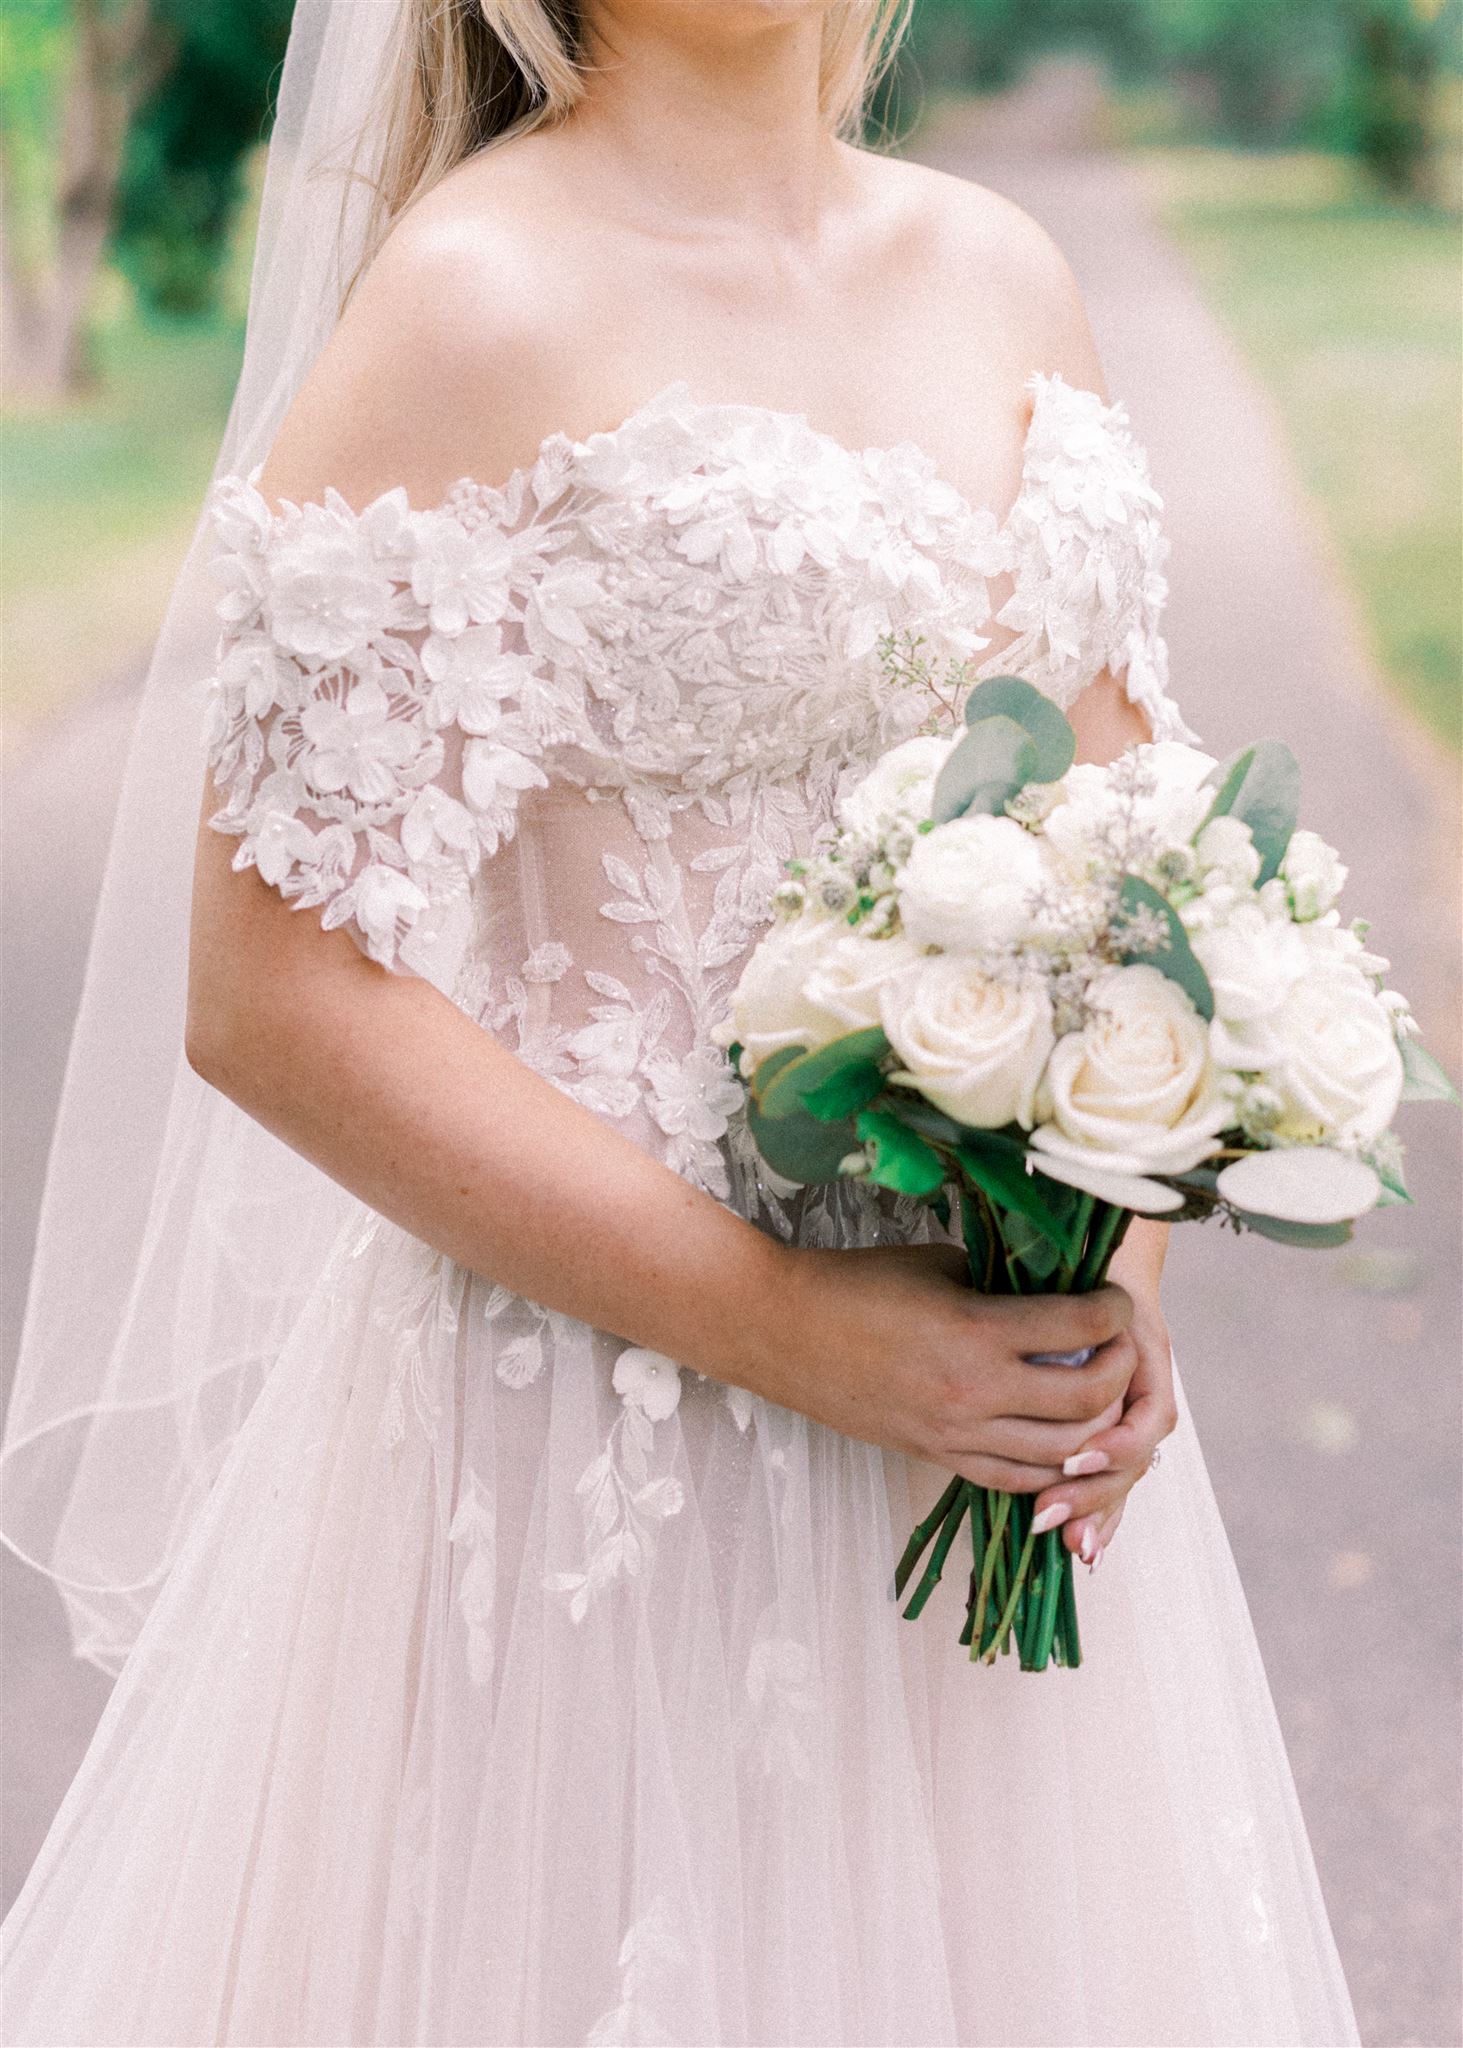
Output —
(1347, 306)
(100, 499)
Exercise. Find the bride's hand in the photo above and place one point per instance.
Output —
(1109, 1465)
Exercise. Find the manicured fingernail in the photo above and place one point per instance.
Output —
(1096, 1559)
(1083, 1463)
(1051, 1518)
(1089, 1544)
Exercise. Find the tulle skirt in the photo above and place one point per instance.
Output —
(488, 1704)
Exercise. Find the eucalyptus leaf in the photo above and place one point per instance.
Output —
(1423, 1078)
(1051, 733)
(995, 758)
(1175, 957)
(900, 1158)
(795, 1081)
(1318, 1237)
(800, 1146)
(1261, 787)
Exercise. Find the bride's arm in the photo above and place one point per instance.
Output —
(381, 1081)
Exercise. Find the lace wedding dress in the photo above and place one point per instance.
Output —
(513, 1686)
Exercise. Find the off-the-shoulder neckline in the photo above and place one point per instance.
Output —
(676, 399)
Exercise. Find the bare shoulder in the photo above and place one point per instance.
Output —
(991, 256)
(453, 354)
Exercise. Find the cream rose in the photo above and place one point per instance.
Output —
(900, 784)
(847, 981)
(968, 885)
(1135, 1089)
(1253, 962)
(1337, 1069)
(972, 1045)
(771, 1007)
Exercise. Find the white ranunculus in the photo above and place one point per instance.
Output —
(1150, 799)
(1313, 873)
(1331, 943)
(900, 784)
(973, 1045)
(1253, 962)
(849, 976)
(771, 1007)
(1135, 1089)
(969, 885)
(1337, 1066)
(1226, 848)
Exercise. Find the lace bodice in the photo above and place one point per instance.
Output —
(549, 742)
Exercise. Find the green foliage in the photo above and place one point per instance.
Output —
(1261, 787)
(1045, 724)
(995, 758)
(830, 1083)
(183, 172)
(898, 1157)
(1423, 1078)
(1175, 957)
(796, 1144)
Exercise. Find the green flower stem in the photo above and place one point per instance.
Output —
(1069, 1279)
(1067, 1636)
(979, 1510)
(1107, 1234)
(1003, 1626)
(1052, 1567)
(914, 1549)
(999, 1516)
(949, 1529)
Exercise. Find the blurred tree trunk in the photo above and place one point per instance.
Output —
(115, 53)
(1397, 54)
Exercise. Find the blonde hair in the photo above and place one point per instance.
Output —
(462, 74)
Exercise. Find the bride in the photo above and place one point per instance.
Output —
(487, 1496)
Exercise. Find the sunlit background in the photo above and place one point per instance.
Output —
(1263, 200)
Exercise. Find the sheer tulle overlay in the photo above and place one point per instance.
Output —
(510, 1685)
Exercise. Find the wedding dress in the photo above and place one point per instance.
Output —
(512, 1685)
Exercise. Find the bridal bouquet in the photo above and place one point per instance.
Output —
(1043, 998)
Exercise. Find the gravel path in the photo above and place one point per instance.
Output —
(1325, 1385)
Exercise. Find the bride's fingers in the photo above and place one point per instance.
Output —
(1129, 1444)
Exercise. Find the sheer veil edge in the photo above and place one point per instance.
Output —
(177, 1239)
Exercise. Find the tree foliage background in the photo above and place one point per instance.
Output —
(128, 124)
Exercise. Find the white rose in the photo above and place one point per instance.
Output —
(968, 885)
(1337, 1068)
(972, 1045)
(901, 783)
(1226, 849)
(1135, 1088)
(771, 1007)
(849, 976)
(1150, 799)
(1253, 962)
(1313, 873)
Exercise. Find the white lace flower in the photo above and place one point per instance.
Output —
(355, 743)
(435, 823)
(461, 576)
(328, 595)
(493, 777)
(474, 677)
(694, 1096)
(649, 1381)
